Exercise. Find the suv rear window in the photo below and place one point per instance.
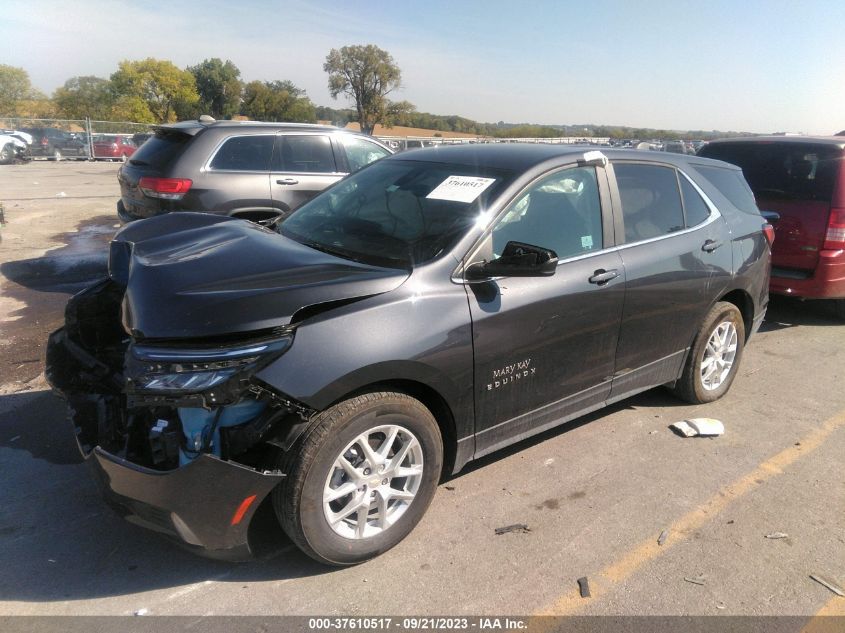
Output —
(791, 171)
(161, 150)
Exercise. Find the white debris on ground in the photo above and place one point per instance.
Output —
(704, 427)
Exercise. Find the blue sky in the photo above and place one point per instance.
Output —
(757, 66)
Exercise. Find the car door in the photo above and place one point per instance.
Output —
(236, 178)
(302, 166)
(544, 346)
(677, 258)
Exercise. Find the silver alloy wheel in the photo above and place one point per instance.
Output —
(719, 356)
(373, 482)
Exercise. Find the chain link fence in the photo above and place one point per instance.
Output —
(78, 139)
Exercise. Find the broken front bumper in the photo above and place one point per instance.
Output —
(207, 504)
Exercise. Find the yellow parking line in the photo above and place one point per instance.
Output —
(618, 571)
(823, 622)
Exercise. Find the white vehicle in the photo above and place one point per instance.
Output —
(11, 147)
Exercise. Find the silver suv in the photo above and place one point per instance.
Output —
(257, 171)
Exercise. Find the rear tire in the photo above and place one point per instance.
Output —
(343, 503)
(839, 308)
(713, 361)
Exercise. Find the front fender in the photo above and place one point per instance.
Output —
(391, 337)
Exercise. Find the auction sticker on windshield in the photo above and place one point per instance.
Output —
(460, 188)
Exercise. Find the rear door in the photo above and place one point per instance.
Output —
(236, 179)
(795, 179)
(678, 259)
(544, 346)
(302, 166)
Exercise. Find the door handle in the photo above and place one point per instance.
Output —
(711, 245)
(287, 181)
(602, 276)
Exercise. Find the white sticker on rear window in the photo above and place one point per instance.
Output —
(460, 188)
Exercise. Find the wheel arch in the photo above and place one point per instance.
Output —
(743, 301)
(432, 400)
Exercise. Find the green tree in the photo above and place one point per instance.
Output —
(219, 86)
(158, 83)
(14, 87)
(366, 74)
(85, 96)
(277, 101)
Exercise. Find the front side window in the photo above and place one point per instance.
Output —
(304, 154)
(244, 153)
(361, 152)
(561, 212)
(397, 213)
(651, 201)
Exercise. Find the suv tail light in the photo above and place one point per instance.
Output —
(769, 232)
(834, 240)
(166, 188)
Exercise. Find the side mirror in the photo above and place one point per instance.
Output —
(771, 217)
(517, 260)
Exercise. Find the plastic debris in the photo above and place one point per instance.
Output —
(830, 585)
(695, 581)
(449, 487)
(516, 527)
(662, 538)
(584, 587)
(777, 535)
(704, 427)
(61, 194)
(549, 461)
(141, 612)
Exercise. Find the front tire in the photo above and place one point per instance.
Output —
(361, 478)
(713, 361)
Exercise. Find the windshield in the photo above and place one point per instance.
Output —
(396, 213)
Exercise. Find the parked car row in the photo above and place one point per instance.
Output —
(55, 144)
(428, 309)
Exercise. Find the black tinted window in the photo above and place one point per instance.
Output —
(561, 212)
(732, 185)
(651, 202)
(310, 153)
(695, 209)
(161, 149)
(792, 171)
(244, 153)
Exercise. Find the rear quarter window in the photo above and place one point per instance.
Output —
(732, 185)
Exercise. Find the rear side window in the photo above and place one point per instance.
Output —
(361, 152)
(695, 209)
(244, 153)
(651, 201)
(161, 149)
(306, 153)
(732, 185)
(790, 171)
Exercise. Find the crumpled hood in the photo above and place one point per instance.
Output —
(194, 275)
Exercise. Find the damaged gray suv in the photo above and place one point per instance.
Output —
(429, 309)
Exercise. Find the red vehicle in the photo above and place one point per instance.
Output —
(802, 178)
(114, 147)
